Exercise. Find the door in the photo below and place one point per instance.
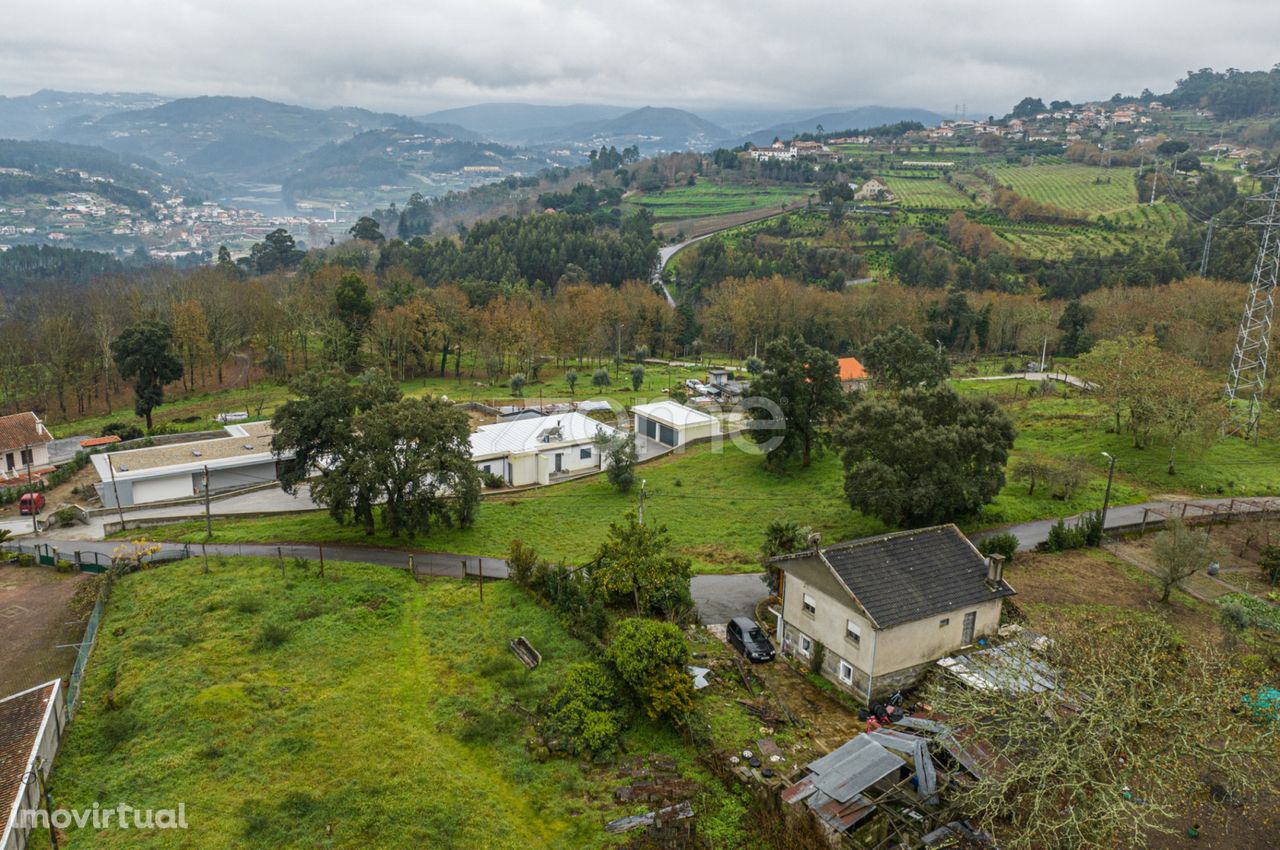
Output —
(8, 461)
(559, 463)
(969, 620)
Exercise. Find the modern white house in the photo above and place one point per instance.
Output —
(177, 471)
(539, 449)
(23, 441)
(672, 424)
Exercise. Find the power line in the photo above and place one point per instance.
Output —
(1247, 377)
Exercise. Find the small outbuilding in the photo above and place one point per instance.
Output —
(673, 424)
(853, 376)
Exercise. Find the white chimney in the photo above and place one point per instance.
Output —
(995, 570)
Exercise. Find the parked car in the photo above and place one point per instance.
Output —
(31, 503)
(749, 639)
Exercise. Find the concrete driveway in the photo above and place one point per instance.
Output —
(720, 598)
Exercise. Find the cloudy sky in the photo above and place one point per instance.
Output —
(418, 55)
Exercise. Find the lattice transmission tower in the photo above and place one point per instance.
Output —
(1248, 376)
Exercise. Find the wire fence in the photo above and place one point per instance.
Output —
(86, 647)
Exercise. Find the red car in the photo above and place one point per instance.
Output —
(31, 503)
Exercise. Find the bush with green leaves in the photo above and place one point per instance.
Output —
(1004, 543)
(1086, 532)
(620, 458)
(518, 382)
(600, 378)
(586, 714)
(651, 658)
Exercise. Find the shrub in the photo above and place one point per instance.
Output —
(521, 561)
(246, 603)
(815, 660)
(1003, 543)
(1087, 532)
(518, 382)
(124, 430)
(492, 480)
(272, 636)
(585, 714)
(651, 658)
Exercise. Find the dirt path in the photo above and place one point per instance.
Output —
(40, 610)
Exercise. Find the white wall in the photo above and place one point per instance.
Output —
(180, 485)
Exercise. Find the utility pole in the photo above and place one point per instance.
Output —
(1208, 237)
(116, 492)
(1248, 375)
(1106, 499)
(640, 512)
(31, 491)
(1155, 175)
(208, 520)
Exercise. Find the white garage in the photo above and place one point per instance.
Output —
(673, 424)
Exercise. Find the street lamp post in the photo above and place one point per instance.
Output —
(1106, 498)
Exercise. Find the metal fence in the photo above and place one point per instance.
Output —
(86, 647)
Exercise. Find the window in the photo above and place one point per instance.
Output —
(944, 622)
(26, 456)
(486, 468)
(810, 605)
(584, 454)
(806, 645)
(852, 633)
(846, 672)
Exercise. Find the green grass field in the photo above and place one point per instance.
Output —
(200, 408)
(384, 717)
(927, 193)
(715, 504)
(1077, 188)
(708, 199)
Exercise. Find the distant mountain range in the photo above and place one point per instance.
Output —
(34, 116)
(222, 142)
(234, 137)
(862, 118)
(519, 122)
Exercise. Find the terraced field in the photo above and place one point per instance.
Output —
(927, 193)
(1078, 188)
(706, 199)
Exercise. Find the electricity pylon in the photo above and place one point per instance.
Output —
(1248, 376)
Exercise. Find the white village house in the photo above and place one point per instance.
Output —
(23, 440)
(672, 424)
(176, 471)
(884, 609)
(535, 450)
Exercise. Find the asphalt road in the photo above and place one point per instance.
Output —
(720, 597)
(717, 597)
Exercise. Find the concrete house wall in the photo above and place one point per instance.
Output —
(12, 464)
(893, 658)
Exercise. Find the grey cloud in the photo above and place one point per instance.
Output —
(414, 56)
